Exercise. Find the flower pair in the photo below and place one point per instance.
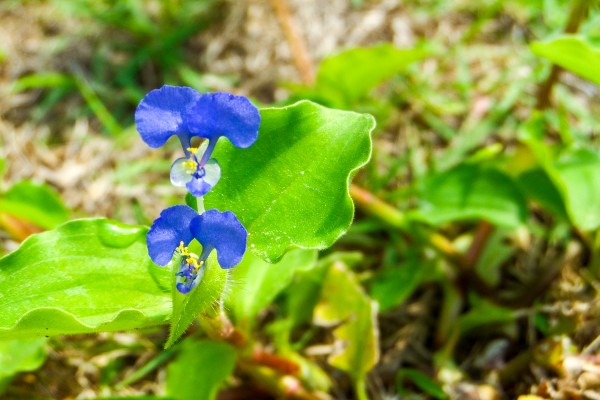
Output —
(184, 112)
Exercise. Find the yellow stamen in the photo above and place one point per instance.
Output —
(192, 149)
(182, 249)
(190, 166)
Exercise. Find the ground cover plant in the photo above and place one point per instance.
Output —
(229, 200)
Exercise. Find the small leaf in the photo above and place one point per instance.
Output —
(573, 53)
(256, 283)
(537, 185)
(35, 203)
(344, 302)
(290, 188)
(394, 285)
(20, 355)
(203, 298)
(42, 80)
(88, 275)
(577, 175)
(346, 77)
(485, 313)
(424, 382)
(199, 370)
(472, 192)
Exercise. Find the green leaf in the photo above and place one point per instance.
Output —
(472, 191)
(42, 80)
(485, 313)
(538, 186)
(36, 203)
(303, 294)
(346, 77)
(204, 298)
(424, 382)
(343, 302)
(573, 53)
(88, 275)
(20, 355)
(394, 285)
(200, 369)
(577, 175)
(290, 189)
(257, 283)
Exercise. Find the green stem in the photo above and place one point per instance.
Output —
(392, 216)
(389, 214)
(361, 389)
(200, 205)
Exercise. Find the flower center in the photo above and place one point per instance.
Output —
(190, 270)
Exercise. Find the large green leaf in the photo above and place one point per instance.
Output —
(290, 189)
(343, 302)
(346, 77)
(471, 191)
(36, 203)
(87, 275)
(200, 369)
(573, 53)
(20, 355)
(257, 283)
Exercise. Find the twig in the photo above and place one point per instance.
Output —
(482, 235)
(302, 58)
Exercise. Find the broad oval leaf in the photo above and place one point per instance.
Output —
(88, 275)
(291, 188)
(471, 191)
(573, 53)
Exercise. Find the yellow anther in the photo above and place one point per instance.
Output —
(182, 249)
(192, 149)
(190, 166)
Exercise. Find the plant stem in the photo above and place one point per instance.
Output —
(576, 17)
(482, 235)
(361, 390)
(392, 216)
(375, 206)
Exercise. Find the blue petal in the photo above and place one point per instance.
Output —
(199, 186)
(167, 231)
(223, 114)
(178, 174)
(160, 114)
(221, 231)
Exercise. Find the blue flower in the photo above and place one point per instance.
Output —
(178, 225)
(182, 111)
